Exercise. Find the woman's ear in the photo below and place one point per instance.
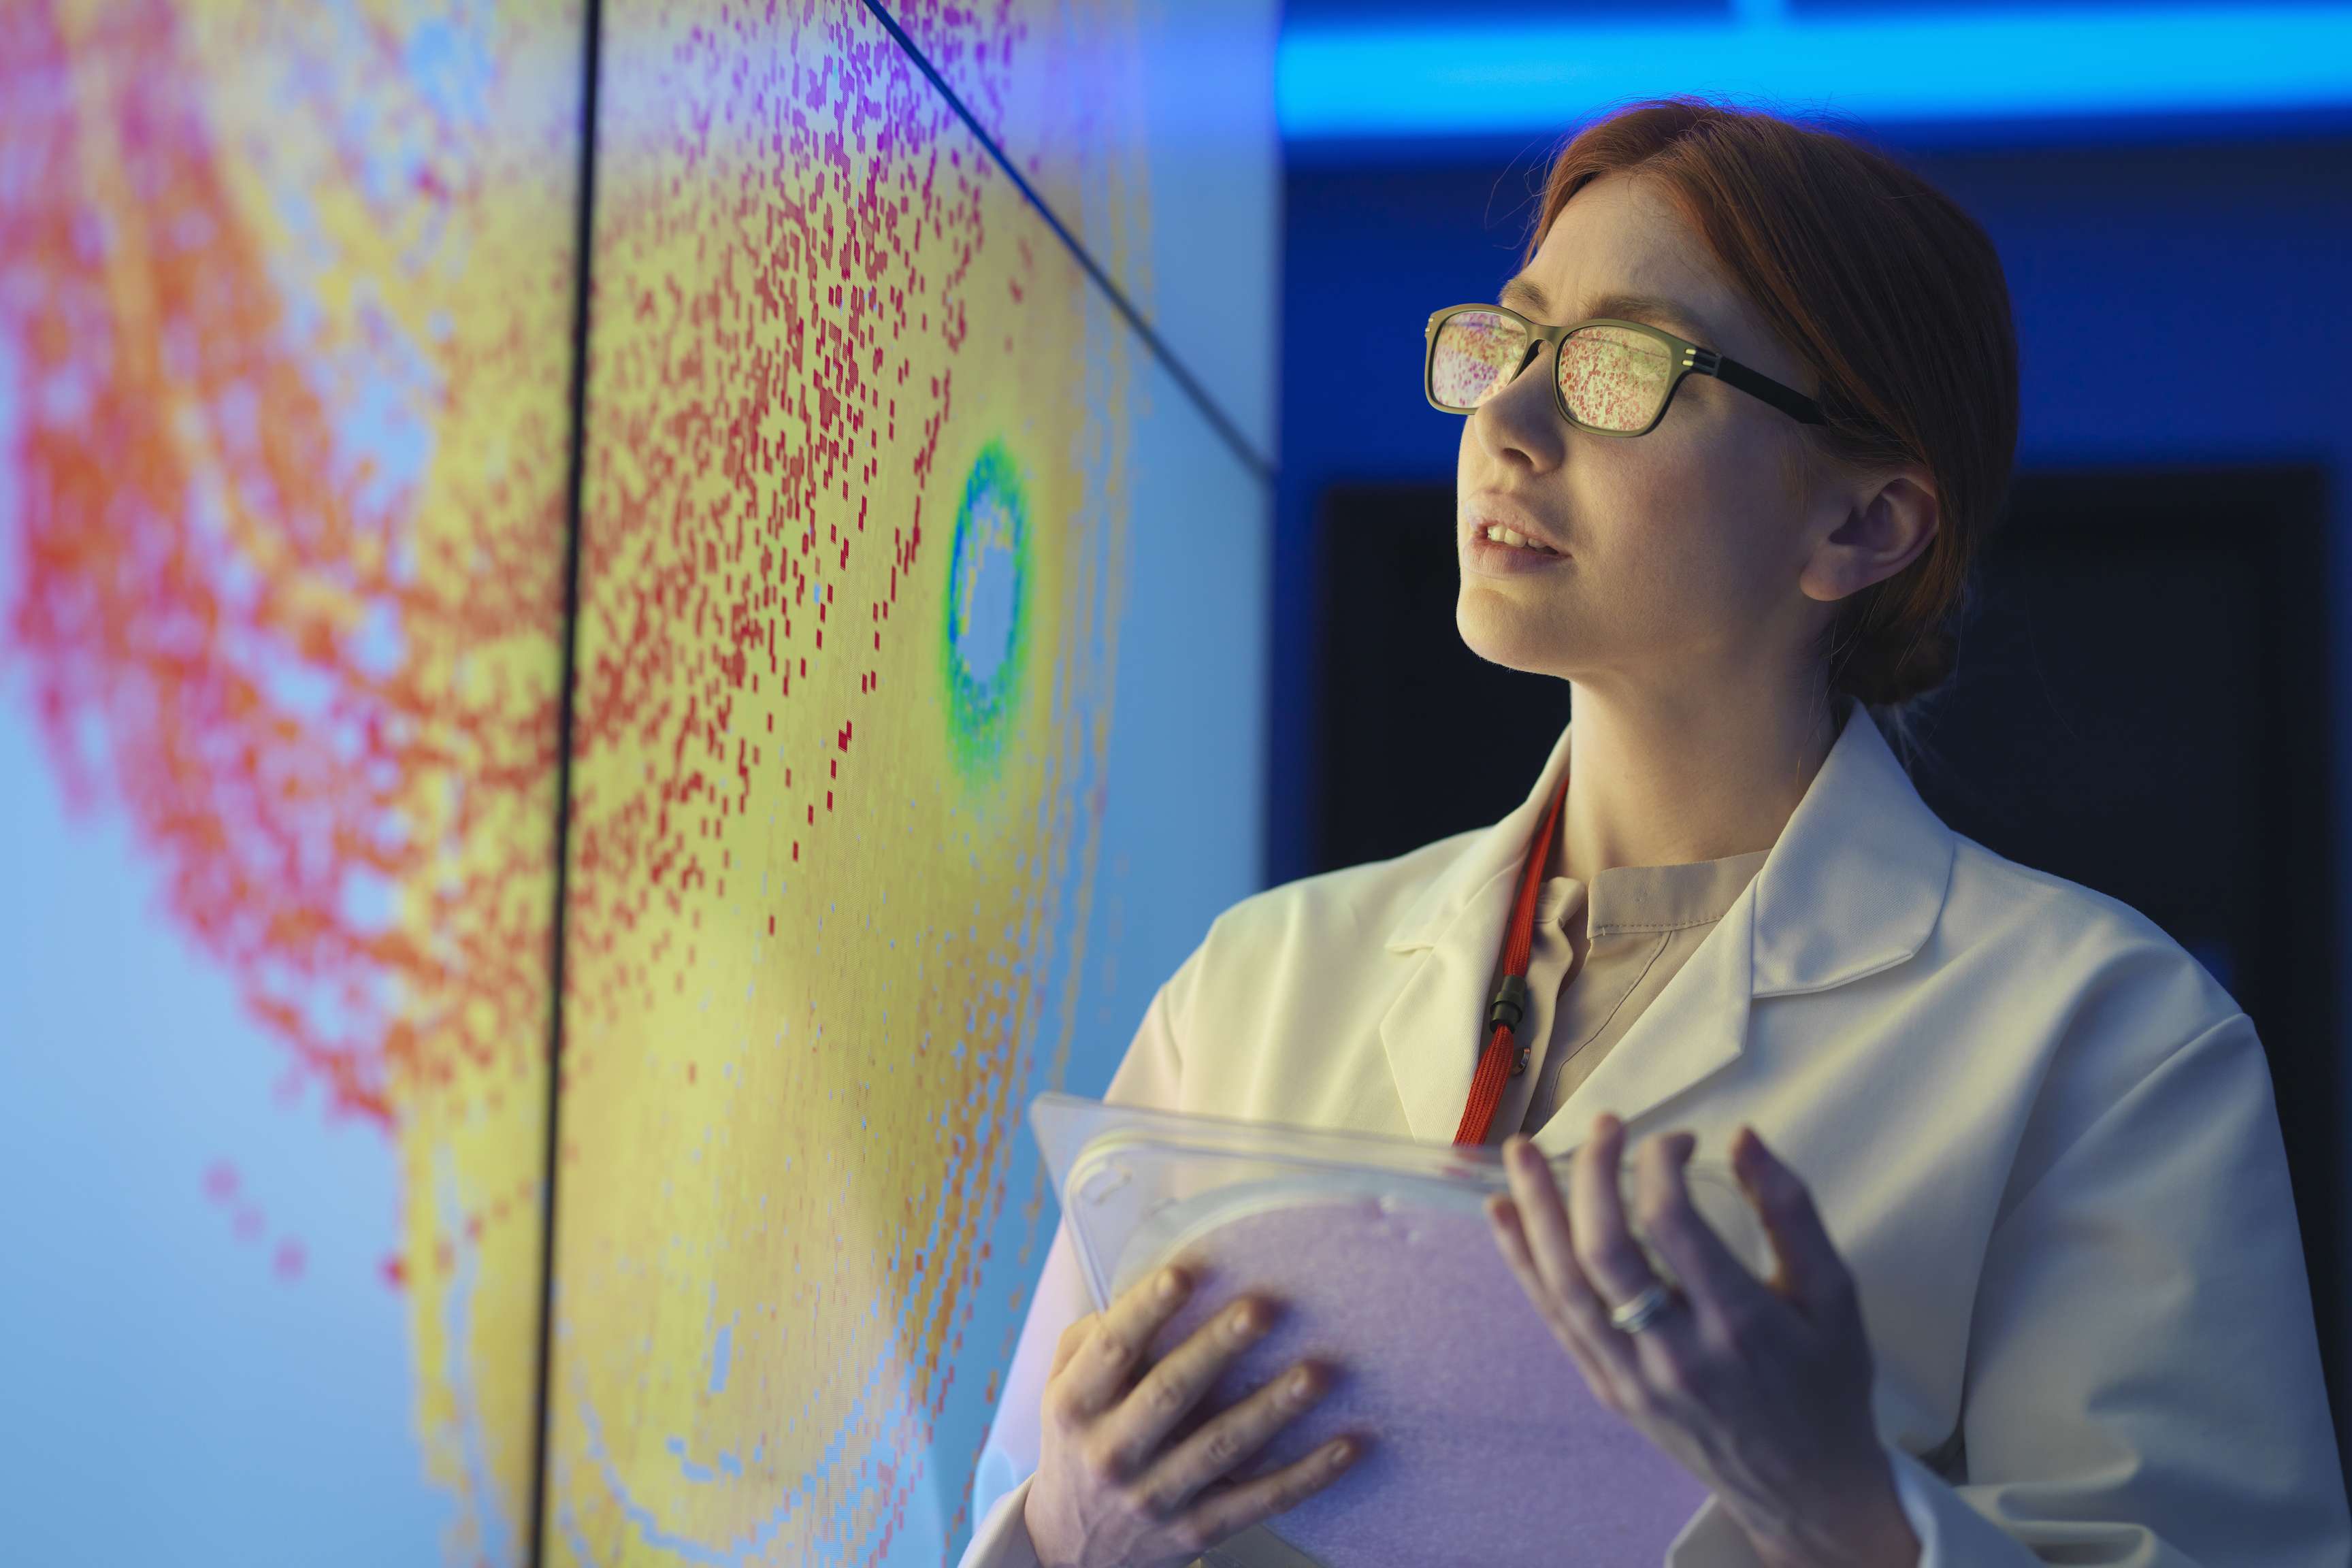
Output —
(1887, 524)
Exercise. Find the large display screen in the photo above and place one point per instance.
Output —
(286, 303)
(913, 736)
(877, 478)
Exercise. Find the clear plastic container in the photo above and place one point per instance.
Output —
(1137, 1182)
(1485, 1443)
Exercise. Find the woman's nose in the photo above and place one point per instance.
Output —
(1520, 418)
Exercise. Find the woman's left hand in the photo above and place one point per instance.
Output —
(1760, 1391)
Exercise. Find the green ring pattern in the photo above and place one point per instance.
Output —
(981, 711)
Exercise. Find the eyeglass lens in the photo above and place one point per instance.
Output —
(1610, 378)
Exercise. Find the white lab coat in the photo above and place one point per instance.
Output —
(2042, 1136)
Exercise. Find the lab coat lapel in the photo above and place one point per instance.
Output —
(1435, 1029)
(1854, 885)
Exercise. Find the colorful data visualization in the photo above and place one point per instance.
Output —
(286, 303)
(900, 522)
(865, 450)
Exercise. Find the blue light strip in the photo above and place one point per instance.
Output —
(1337, 82)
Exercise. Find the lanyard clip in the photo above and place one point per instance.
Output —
(1510, 1004)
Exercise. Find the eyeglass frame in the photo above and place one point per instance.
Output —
(1692, 357)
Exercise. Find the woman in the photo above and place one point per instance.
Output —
(2039, 1295)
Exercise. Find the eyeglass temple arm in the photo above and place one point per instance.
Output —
(1789, 401)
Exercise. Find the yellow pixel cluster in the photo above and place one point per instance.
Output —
(857, 481)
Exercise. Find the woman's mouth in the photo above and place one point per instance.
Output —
(1496, 534)
(1496, 551)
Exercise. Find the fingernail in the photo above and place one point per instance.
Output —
(1336, 1454)
(1171, 1284)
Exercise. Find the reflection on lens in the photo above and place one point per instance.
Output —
(1475, 353)
(1613, 379)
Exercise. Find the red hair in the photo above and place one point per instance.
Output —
(1896, 300)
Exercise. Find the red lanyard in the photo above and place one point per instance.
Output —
(1510, 1001)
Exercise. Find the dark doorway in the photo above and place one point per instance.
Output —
(2143, 706)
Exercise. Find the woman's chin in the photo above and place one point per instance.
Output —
(1508, 635)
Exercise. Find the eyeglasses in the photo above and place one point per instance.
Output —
(1610, 377)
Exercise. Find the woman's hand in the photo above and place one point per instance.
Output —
(1762, 1392)
(1105, 1494)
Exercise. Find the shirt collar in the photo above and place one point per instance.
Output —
(1633, 900)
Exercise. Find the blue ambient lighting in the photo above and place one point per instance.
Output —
(1435, 79)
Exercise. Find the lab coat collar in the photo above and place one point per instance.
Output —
(1853, 886)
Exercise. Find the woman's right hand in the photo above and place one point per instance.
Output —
(1105, 1496)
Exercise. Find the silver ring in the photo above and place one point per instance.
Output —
(1644, 1309)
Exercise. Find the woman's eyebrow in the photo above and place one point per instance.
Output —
(1619, 303)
